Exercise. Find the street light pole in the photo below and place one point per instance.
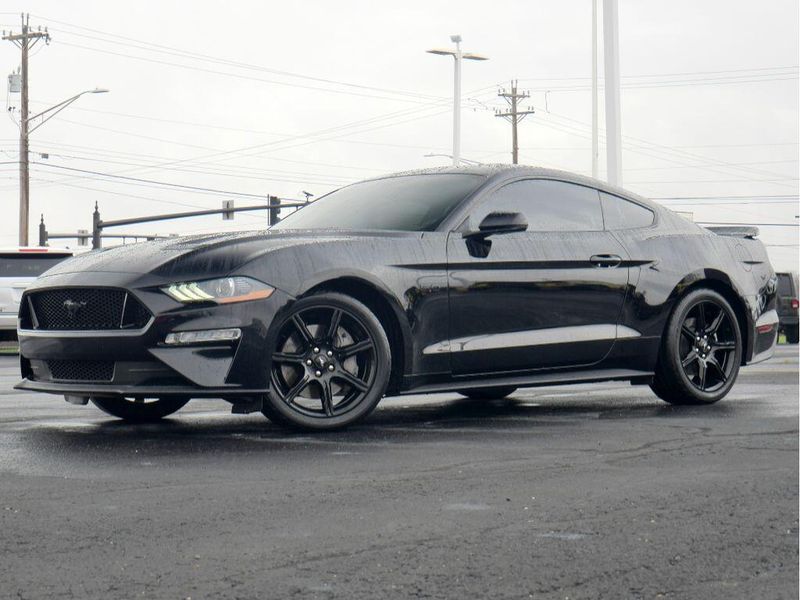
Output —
(458, 56)
(24, 132)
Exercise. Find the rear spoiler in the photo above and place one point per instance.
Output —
(741, 231)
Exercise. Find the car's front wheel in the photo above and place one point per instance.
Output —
(330, 365)
(139, 410)
(701, 351)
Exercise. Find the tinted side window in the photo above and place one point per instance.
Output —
(547, 205)
(621, 214)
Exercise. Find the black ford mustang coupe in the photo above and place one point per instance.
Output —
(479, 280)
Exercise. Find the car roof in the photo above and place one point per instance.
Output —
(500, 172)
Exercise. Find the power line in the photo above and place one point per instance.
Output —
(159, 48)
(162, 183)
(352, 125)
(138, 197)
(683, 74)
(242, 173)
(657, 151)
(239, 76)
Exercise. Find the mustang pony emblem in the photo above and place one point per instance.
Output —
(72, 307)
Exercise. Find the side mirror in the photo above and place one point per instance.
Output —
(500, 222)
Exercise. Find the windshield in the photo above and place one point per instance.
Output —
(403, 203)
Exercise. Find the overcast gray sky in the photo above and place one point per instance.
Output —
(280, 97)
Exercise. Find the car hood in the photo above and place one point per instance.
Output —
(216, 254)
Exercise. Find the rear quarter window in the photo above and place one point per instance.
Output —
(623, 214)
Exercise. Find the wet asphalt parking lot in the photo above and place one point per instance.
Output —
(595, 491)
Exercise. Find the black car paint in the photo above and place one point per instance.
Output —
(437, 290)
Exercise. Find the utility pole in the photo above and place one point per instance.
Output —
(514, 115)
(25, 41)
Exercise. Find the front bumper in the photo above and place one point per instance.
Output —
(138, 363)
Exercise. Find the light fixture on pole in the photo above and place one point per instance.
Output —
(458, 56)
(57, 108)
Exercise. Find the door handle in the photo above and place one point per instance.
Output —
(606, 261)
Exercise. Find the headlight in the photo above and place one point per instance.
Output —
(221, 291)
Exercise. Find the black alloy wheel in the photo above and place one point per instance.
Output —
(701, 351)
(330, 365)
(139, 410)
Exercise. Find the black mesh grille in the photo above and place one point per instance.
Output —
(87, 309)
(81, 370)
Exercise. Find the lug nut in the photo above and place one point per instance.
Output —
(316, 349)
(330, 367)
(318, 373)
(329, 353)
(308, 362)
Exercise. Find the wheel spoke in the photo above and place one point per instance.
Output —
(353, 349)
(286, 357)
(714, 326)
(712, 360)
(326, 396)
(701, 373)
(724, 345)
(688, 332)
(701, 317)
(333, 326)
(690, 358)
(302, 329)
(298, 387)
(352, 380)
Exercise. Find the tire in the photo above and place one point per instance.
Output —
(142, 411)
(701, 351)
(791, 335)
(496, 393)
(330, 366)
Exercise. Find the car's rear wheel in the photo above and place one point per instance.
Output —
(495, 393)
(791, 334)
(139, 410)
(330, 365)
(701, 351)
